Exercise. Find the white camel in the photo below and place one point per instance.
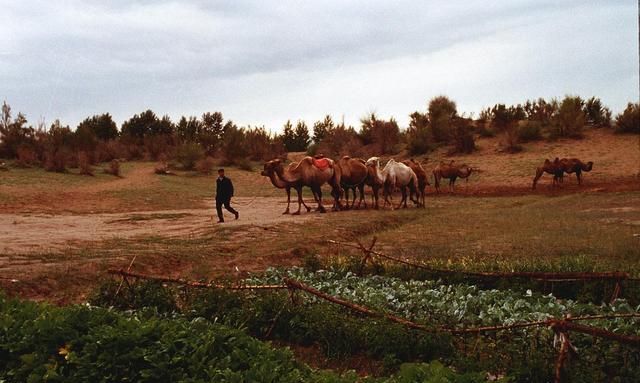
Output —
(396, 175)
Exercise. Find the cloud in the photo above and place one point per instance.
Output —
(264, 62)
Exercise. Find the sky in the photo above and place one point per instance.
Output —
(264, 62)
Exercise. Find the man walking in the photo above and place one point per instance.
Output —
(224, 192)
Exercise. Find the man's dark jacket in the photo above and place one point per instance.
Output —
(224, 189)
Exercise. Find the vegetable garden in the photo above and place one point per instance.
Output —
(414, 325)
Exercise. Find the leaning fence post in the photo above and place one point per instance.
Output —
(562, 355)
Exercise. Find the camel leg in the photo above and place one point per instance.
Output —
(355, 194)
(579, 176)
(301, 200)
(320, 208)
(353, 203)
(388, 199)
(362, 197)
(354, 197)
(413, 195)
(288, 190)
(537, 177)
(375, 190)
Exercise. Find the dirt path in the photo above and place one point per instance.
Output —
(48, 233)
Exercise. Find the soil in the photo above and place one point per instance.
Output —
(49, 233)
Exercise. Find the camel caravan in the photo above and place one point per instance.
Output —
(348, 177)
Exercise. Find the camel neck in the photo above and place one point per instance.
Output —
(276, 181)
(282, 174)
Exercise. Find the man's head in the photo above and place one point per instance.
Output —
(220, 172)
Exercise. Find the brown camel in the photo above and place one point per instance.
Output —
(550, 167)
(451, 172)
(375, 179)
(353, 173)
(269, 171)
(423, 179)
(574, 165)
(313, 173)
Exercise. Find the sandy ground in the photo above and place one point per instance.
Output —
(43, 233)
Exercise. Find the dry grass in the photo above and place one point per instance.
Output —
(614, 156)
(581, 230)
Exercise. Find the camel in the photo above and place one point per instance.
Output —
(551, 168)
(398, 176)
(314, 173)
(574, 165)
(423, 179)
(451, 172)
(375, 179)
(352, 173)
(269, 171)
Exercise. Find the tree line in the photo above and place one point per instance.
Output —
(193, 139)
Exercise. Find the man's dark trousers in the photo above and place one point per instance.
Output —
(219, 205)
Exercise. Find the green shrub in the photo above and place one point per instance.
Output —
(570, 118)
(88, 344)
(188, 154)
(629, 120)
(485, 131)
(244, 164)
(530, 131)
(418, 136)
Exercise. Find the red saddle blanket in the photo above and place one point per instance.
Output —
(321, 163)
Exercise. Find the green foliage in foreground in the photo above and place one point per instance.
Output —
(524, 355)
(87, 344)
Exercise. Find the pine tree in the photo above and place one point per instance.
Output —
(288, 137)
(301, 137)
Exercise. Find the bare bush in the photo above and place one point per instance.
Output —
(26, 157)
(114, 168)
(56, 161)
(85, 164)
(205, 165)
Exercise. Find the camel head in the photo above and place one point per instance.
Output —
(270, 167)
(373, 161)
(589, 166)
(465, 170)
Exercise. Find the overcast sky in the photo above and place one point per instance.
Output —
(263, 62)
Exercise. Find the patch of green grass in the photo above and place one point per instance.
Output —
(41, 179)
(519, 233)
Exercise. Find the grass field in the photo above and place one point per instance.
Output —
(84, 225)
